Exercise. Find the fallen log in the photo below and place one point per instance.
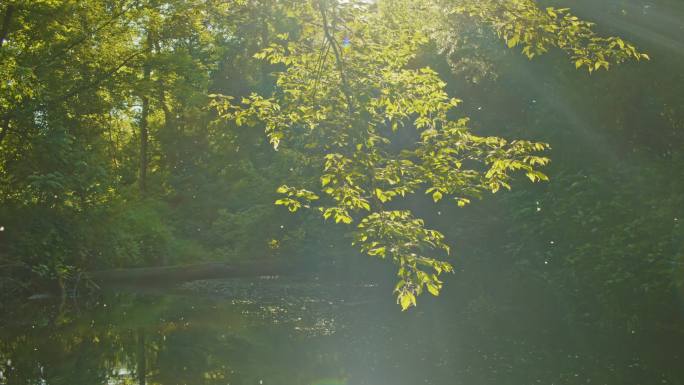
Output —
(183, 273)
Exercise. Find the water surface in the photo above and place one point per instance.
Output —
(282, 331)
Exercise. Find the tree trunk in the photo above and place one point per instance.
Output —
(144, 131)
(4, 31)
(6, 20)
(4, 128)
(142, 359)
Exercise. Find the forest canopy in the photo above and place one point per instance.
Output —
(150, 132)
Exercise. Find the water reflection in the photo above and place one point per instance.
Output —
(294, 333)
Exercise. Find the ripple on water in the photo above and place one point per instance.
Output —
(306, 307)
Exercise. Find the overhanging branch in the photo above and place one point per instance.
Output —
(338, 58)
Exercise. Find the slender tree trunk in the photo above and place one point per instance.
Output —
(144, 132)
(168, 118)
(6, 20)
(142, 360)
(144, 138)
(4, 31)
(4, 127)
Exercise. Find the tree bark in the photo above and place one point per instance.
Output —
(4, 31)
(168, 117)
(6, 21)
(144, 131)
(4, 128)
(142, 359)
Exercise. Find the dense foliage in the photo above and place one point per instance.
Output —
(132, 134)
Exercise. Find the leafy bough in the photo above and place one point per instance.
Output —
(451, 162)
(352, 113)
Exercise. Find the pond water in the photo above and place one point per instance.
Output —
(282, 331)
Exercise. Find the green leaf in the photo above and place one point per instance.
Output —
(406, 300)
(513, 41)
(436, 196)
(433, 289)
(325, 180)
(381, 195)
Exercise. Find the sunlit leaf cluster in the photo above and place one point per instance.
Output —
(524, 23)
(378, 130)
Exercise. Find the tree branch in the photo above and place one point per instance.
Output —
(18, 110)
(338, 58)
(54, 58)
(102, 78)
